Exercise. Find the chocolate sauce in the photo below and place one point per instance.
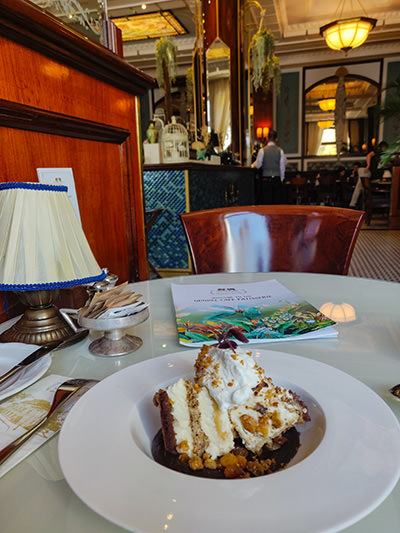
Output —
(280, 457)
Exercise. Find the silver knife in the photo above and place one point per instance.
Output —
(43, 350)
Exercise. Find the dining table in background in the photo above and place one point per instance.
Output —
(35, 497)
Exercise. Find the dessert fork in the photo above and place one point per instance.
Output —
(62, 394)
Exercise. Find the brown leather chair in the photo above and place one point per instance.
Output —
(268, 238)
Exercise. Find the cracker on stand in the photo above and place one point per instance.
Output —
(101, 301)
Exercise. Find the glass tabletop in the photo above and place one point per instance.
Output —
(34, 495)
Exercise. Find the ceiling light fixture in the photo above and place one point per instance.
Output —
(348, 33)
(327, 104)
(325, 124)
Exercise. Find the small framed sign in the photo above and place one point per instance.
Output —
(61, 176)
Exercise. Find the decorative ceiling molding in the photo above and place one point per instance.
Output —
(314, 57)
(295, 26)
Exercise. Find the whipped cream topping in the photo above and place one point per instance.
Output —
(228, 376)
(258, 427)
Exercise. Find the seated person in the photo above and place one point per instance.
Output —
(373, 160)
(364, 172)
(353, 178)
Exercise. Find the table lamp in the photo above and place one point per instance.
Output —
(42, 249)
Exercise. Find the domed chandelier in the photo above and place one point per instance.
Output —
(345, 34)
(327, 104)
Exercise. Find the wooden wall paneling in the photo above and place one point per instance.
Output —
(96, 166)
(24, 22)
(134, 204)
(68, 102)
(15, 115)
(34, 80)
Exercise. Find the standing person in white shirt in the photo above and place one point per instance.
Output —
(272, 160)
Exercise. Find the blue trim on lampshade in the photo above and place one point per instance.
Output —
(51, 286)
(34, 186)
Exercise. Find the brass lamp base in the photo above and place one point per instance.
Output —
(41, 324)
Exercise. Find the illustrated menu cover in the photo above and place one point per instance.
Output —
(263, 311)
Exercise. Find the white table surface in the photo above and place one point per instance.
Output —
(34, 497)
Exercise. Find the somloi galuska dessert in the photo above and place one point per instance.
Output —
(231, 421)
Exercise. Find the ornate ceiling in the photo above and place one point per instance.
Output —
(294, 24)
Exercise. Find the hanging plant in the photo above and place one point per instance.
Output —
(166, 70)
(265, 65)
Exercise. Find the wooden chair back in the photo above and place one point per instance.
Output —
(376, 199)
(268, 238)
(297, 190)
(327, 187)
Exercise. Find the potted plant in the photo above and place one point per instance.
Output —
(166, 70)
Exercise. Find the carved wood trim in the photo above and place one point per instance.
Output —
(27, 24)
(24, 117)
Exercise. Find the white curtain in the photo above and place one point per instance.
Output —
(314, 138)
(220, 109)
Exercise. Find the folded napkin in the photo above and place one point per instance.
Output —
(20, 412)
(122, 312)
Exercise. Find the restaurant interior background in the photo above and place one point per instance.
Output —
(68, 102)
(309, 78)
(309, 69)
(212, 45)
(308, 66)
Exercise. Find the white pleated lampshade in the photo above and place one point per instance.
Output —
(42, 244)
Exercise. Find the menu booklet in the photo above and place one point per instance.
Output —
(263, 311)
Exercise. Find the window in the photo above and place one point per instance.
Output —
(328, 142)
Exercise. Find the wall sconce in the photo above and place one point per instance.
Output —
(259, 133)
(265, 131)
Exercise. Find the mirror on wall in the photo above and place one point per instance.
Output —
(218, 69)
(84, 16)
(320, 103)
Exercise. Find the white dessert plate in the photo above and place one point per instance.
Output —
(348, 462)
(11, 353)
